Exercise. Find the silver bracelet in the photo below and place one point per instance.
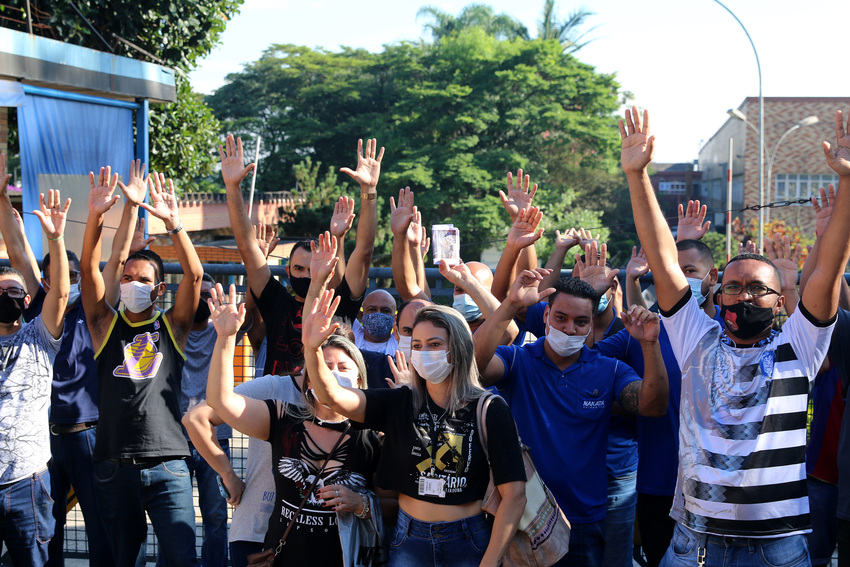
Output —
(176, 229)
(366, 508)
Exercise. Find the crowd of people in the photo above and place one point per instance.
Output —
(697, 426)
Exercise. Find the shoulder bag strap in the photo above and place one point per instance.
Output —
(310, 490)
(481, 420)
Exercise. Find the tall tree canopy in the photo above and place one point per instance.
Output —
(455, 116)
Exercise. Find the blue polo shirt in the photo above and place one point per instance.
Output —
(657, 437)
(563, 417)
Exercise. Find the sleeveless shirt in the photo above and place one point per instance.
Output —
(139, 371)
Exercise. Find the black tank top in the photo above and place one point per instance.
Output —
(139, 370)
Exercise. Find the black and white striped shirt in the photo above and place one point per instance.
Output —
(742, 434)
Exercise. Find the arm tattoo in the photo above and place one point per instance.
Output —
(630, 397)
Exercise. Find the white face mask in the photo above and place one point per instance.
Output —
(432, 365)
(344, 380)
(74, 293)
(562, 343)
(404, 345)
(136, 296)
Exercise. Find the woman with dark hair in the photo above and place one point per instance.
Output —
(432, 453)
(302, 437)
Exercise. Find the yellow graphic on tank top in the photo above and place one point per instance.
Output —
(141, 359)
(449, 453)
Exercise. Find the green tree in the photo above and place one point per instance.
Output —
(565, 31)
(501, 26)
(178, 34)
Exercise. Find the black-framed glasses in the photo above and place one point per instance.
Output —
(74, 276)
(13, 292)
(755, 290)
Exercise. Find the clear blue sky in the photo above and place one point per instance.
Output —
(688, 61)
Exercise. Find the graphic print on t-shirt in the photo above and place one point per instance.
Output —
(141, 358)
(451, 460)
(303, 475)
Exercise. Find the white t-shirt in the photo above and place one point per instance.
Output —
(387, 347)
(742, 435)
(26, 373)
(250, 520)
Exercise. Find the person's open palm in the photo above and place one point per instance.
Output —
(838, 156)
(779, 251)
(318, 325)
(233, 168)
(593, 269)
(324, 257)
(638, 145)
(401, 215)
(140, 242)
(137, 184)
(227, 316)
(638, 265)
(524, 291)
(519, 196)
(692, 224)
(343, 216)
(163, 201)
(52, 214)
(101, 197)
(823, 210)
(524, 231)
(368, 164)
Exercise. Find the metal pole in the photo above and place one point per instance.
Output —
(254, 178)
(729, 205)
(29, 18)
(760, 129)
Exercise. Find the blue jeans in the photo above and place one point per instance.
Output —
(72, 466)
(213, 509)
(240, 550)
(728, 551)
(164, 491)
(587, 546)
(439, 544)
(26, 520)
(620, 521)
(823, 505)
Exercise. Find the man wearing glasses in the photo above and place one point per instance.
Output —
(741, 495)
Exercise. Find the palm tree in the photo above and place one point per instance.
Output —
(501, 26)
(566, 32)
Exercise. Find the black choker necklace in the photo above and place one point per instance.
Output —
(335, 425)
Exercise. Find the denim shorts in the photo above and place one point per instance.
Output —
(439, 544)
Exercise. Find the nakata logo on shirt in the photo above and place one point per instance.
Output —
(141, 358)
(592, 404)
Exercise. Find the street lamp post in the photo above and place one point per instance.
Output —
(760, 130)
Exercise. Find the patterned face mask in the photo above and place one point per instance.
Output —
(378, 324)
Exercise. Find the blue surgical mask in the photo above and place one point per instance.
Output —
(603, 303)
(467, 307)
(696, 288)
(378, 324)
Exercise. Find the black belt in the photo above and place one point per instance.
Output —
(64, 428)
(143, 461)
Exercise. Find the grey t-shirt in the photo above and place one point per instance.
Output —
(26, 371)
(251, 517)
(196, 369)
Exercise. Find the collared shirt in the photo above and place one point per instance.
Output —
(563, 416)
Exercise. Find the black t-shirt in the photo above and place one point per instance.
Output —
(281, 313)
(405, 455)
(314, 539)
(839, 356)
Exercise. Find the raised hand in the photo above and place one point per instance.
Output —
(52, 214)
(779, 252)
(416, 232)
(101, 197)
(402, 215)
(518, 197)
(593, 269)
(691, 223)
(524, 291)
(317, 326)
(137, 186)
(424, 244)
(585, 237)
(838, 157)
(567, 240)
(139, 241)
(266, 238)
(457, 274)
(402, 374)
(324, 258)
(750, 247)
(4, 177)
(343, 216)
(642, 324)
(368, 166)
(163, 201)
(638, 145)
(524, 231)
(823, 209)
(233, 168)
(227, 316)
(637, 266)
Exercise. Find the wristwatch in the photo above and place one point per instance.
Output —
(176, 229)
(366, 508)
(368, 196)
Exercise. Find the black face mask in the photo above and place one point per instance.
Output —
(203, 312)
(300, 285)
(11, 309)
(750, 319)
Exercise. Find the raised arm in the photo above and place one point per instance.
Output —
(419, 246)
(367, 173)
(53, 216)
(317, 327)
(822, 289)
(321, 266)
(163, 205)
(404, 273)
(134, 195)
(233, 171)
(14, 236)
(247, 415)
(780, 253)
(341, 222)
(99, 313)
(692, 225)
(524, 293)
(652, 229)
(200, 422)
(636, 269)
(517, 198)
(649, 396)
